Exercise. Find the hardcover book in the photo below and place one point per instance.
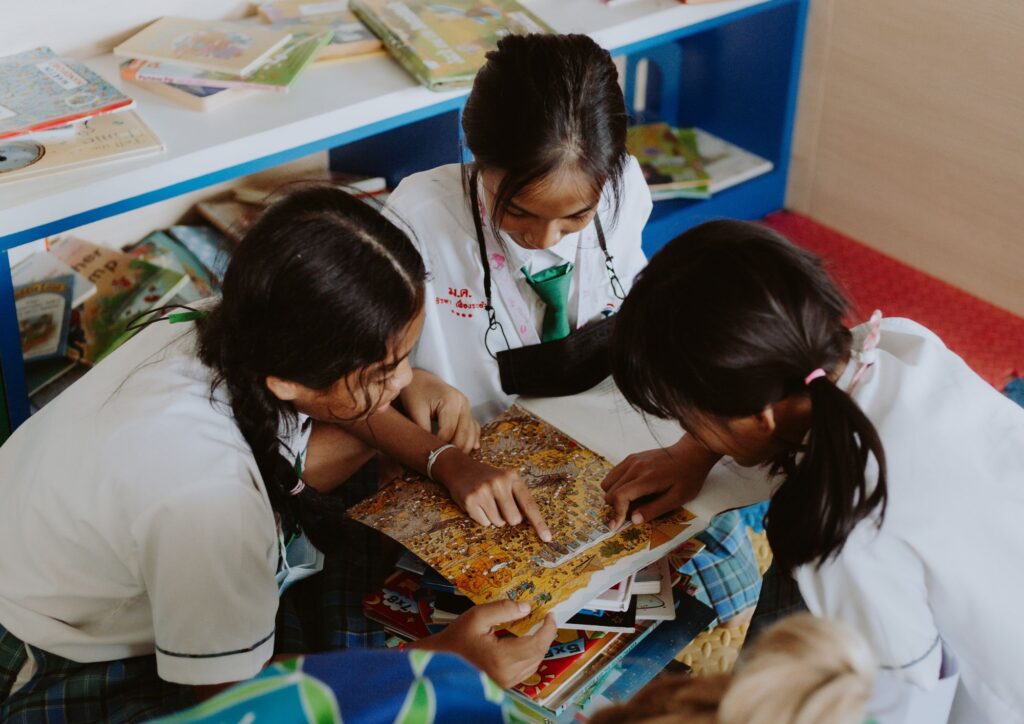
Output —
(225, 46)
(44, 265)
(443, 45)
(39, 90)
(669, 160)
(349, 36)
(488, 564)
(44, 311)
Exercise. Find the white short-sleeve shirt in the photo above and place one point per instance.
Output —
(945, 567)
(135, 521)
(435, 209)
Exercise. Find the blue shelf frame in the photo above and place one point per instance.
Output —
(735, 75)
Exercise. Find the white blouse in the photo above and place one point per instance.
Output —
(434, 208)
(945, 567)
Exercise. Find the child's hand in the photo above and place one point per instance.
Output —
(507, 660)
(428, 399)
(488, 495)
(669, 477)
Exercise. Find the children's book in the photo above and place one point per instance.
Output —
(165, 251)
(95, 141)
(224, 46)
(42, 395)
(668, 158)
(39, 90)
(43, 265)
(126, 287)
(598, 620)
(231, 218)
(264, 190)
(568, 653)
(349, 36)
(615, 598)
(395, 606)
(443, 44)
(726, 163)
(277, 73)
(44, 312)
(488, 563)
(659, 605)
(207, 245)
(196, 97)
(648, 580)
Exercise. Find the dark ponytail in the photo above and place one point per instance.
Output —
(317, 290)
(729, 318)
(542, 103)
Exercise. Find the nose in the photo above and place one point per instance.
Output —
(547, 235)
(402, 377)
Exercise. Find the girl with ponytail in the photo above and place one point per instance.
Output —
(153, 512)
(875, 440)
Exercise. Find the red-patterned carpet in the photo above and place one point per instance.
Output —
(989, 338)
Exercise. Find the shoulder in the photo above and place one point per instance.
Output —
(437, 191)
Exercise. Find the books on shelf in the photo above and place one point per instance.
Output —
(43, 265)
(349, 37)
(43, 310)
(277, 73)
(690, 162)
(125, 286)
(196, 97)
(263, 190)
(95, 141)
(209, 246)
(40, 90)
(224, 46)
(165, 251)
(232, 218)
(443, 45)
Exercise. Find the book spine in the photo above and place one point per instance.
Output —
(122, 104)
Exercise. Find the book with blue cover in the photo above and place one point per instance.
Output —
(40, 90)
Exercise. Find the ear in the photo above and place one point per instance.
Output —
(284, 390)
(766, 420)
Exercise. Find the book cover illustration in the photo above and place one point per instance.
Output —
(101, 139)
(234, 47)
(44, 265)
(568, 651)
(660, 604)
(207, 245)
(489, 564)
(669, 160)
(165, 251)
(39, 90)
(395, 606)
(125, 286)
(44, 311)
(443, 44)
(349, 36)
(726, 163)
(602, 620)
(277, 73)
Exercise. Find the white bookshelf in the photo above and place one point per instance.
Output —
(328, 105)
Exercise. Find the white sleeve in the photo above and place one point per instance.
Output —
(626, 243)
(208, 557)
(877, 587)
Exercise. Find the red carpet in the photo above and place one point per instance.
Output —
(990, 339)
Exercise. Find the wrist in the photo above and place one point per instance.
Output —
(434, 465)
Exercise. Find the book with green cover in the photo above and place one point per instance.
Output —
(278, 72)
(443, 44)
(669, 160)
(125, 287)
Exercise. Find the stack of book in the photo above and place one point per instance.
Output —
(690, 163)
(206, 64)
(609, 590)
(234, 213)
(443, 45)
(76, 300)
(590, 648)
(57, 114)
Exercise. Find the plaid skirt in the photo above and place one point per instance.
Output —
(725, 573)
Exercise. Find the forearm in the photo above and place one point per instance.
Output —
(393, 433)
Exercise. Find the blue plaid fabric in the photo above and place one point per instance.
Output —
(725, 573)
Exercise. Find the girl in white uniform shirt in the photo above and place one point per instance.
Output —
(900, 471)
(146, 511)
(529, 252)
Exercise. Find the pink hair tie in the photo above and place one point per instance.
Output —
(814, 375)
(299, 487)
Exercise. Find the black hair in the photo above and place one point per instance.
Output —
(542, 103)
(319, 288)
(731, 317)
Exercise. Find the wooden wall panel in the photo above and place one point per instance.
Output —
(910, 135)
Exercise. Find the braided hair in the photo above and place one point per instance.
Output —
(317, 290)
(729, 318)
